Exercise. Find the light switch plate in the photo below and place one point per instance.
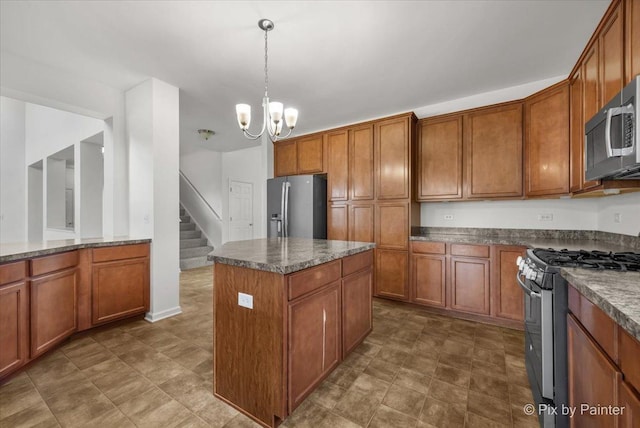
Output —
(245, 300)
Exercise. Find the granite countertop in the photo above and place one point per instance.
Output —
(26, 250)
(616, 293)
(285, 255)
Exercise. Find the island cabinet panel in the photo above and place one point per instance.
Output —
(629, 399)
(250, 346)
(629, 349)
(507, 298)
(361, 222)
(314, 341)
(632, 39)
(308, 280)
(53, 309)
(361, 163)
(547, 141)
(310, 155)
(440, 158)
(493, 152)
(120, 282)
(392, 269)
(470, 285)
(337, 165)
(593, 378)
(428, 279)
(392, 148)
(357, 320)
(285, 158)
(611, 41)
(14, 317)
(337, 222)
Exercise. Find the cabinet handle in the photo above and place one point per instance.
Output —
(324, 335)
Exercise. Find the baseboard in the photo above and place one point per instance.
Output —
(157, 316)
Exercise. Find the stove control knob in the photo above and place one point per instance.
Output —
(532, 274)
(525, 271)
(519, 261)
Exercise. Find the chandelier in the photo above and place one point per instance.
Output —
(274, 111)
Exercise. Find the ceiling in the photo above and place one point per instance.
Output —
(338, 62)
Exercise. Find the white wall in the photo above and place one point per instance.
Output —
(13, 203)
(91, 182)
(35, 210)
(55, 171)
(245, 165)
(628, 206)
(203, 168)
(153, 138)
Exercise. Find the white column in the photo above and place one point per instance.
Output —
(152, 118)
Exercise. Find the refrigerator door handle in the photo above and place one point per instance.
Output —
(285, 212)
(282, 214)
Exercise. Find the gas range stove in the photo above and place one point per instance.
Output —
(589, 259)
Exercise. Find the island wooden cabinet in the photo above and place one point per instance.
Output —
(53, 295)
(440, 158)
(14, 317)
(337, 165)
(357, 285)
(120, 278)
(304, 155)
(547, 141)
(493, 151)
(314, 340)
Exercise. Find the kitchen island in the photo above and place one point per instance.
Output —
(286, 313)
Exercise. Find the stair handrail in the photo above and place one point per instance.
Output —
(215, 213)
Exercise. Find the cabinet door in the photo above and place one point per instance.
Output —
(630, 401)
(493, 152)
(392, 268)
(285, 158)
(392, 158)
(120, 289)
(310, 155)
(440, 158)
(361, 155)
(428, 279)
(507, 298)
(611, 56)
(592, 377)
(591, 98)
(356, 309)
(338, 166)
(53, 309)
(361, 222)
(470, 285)
(632, 39)
(337, 225)
(576, 139)
(314, 341)
(547, 142)
(392, 225)
(14, 324)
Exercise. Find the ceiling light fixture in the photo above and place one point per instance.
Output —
(206, 133)
(272, 111)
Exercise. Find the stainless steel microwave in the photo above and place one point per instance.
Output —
(612, 137)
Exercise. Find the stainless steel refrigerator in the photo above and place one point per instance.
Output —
(297, 206)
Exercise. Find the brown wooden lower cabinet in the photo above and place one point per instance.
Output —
(506, 295)
(470, 285)
(14, 325)
(356, 309)
(392, 268)
(337, 222)
(428, 279)
(53, 309)
(630, 401)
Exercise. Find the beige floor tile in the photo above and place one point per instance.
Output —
(18, 395)
(356, 407)
(386, 417)
(79, 405)
(308, 414)
(327, 395)
(241, 421)
(452, 375)
(404, 400)
(37, 415)
(446, 392)
(371, 386)
(441, 414)
(495, 387)
(382, 369)
(332, 420)
(489, 407)
(412, 380)
(476, 421)
(215, 412)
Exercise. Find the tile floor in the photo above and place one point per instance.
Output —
(414, 370)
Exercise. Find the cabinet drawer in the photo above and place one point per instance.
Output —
(305, 281)
(53, 263)
(120, 252)
(629, 349)
(357, 262)
(428, 247)
(12, 272)
(470, 250)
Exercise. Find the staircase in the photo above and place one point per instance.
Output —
(193, 247)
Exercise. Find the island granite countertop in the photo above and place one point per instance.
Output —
(616, 293)
(285, 255)
(26, 250)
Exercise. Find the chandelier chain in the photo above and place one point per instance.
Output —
(266, 72)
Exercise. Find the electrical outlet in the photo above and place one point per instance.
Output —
(545, 217)
(617, 218)
(448, 216)
(245, 300)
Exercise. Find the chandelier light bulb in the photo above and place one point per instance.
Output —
(275, 109)
(291, 117)
(243, 112)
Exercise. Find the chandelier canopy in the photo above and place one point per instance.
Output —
(273, 112)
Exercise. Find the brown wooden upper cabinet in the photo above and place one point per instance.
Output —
(632, 39)
(440, 158)
(493, 151)
(338, 165)
(392, 157)
(361, 165)
(611, 42)
(301, 156)
(547, 141)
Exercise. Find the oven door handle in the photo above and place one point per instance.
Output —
(526, 289)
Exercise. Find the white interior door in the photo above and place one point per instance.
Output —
(240, 210)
